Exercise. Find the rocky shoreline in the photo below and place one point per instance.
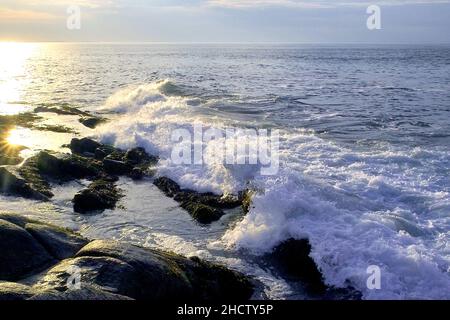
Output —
(37, 258)
(42, 262)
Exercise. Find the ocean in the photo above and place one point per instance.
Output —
(364, 151)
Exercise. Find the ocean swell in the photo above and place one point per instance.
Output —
(387, 206)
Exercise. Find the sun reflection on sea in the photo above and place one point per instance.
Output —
(34, 140)
(14, 75)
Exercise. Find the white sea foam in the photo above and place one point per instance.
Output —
(387, 207)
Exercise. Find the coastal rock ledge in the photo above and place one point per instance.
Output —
(40, 261)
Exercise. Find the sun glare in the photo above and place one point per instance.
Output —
(13, 74)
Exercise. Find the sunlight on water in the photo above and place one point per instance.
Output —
(35, 140)
(13, 74)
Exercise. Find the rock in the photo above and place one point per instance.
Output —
(247, 199)
(169, 187)
(63, 109)
(203, 207)
(65, 167)
(116, 167)
(11, 291)
(91, 122)
(59, 242)
(103, 151)
(109, 270)
(12, 184)
(21, 254)
(98, 196)
(136, 174)
(39, 169)
(9, 160)
(202, 213)
(84, 146)
(85, 293)
(138, 156)
(28, 246)
(166, 276)
(292, 258)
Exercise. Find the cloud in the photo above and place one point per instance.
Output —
(28, 15)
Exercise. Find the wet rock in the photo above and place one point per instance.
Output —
(247, 199)
(202, 213)
(84, 146)
(136, 174)
(292, 258)
(169, 187)
(21, 254)
(62, 109)
(109, 270)
(11, 291)
(103, 151)
(27, 246)
(12, 184)
(203, 207)
(116, 167)
(91, 122)
(66, 167)
(98, 196)
(161, 275)
(9, 160)
(59, 242)
(138, 156)
(85, 293)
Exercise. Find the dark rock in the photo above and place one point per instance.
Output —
(167, 276)
(38, 169)
(9, 160)
(11, 291)
(84, 146)
(63, 109)
(136, 174)
(292, 258)
(117, 167)
(98, 196)
(66, 167)
(202, 213)
(247, 199)
(59, 242)
(109, 270)
(138, 156)
(103, 151)
(204, 207)
(12, 184)
(91, 122)
(169, 187)
(20, 254)
(85, 293)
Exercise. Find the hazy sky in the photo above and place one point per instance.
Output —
(403, 21)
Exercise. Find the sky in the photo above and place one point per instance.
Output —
(312, 21)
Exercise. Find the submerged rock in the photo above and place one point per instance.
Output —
(109, 270)
(98, 196)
